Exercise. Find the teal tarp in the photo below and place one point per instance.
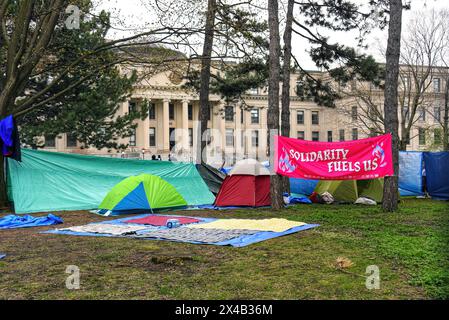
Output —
(50, 181)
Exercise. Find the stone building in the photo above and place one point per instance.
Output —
(240, 130)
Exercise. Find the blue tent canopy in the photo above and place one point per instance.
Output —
(410, 173)
(437, 174)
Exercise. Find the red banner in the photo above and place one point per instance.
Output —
(353, 160)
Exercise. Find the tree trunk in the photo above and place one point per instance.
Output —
(204, 111)
(390, 194)
(285, 113)
(277, 201)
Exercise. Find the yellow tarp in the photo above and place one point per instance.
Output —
(275, 225)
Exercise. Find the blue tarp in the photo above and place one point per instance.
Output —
(241, 241)
(13, 221)
(437, 174)
(410, 173)
(2, 255)
(302, 186)
(226, 170)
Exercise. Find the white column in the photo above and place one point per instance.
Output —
(185, 125)
(165, 125)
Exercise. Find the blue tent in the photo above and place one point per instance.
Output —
(302, 186)
(437, 174)
(410, 173)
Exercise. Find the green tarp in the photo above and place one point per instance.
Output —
(50, 181)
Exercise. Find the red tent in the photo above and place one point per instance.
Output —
(248, 184)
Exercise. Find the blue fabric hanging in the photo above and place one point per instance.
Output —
(9, 138)
(437, 174)
(410, 173)
(13, 221)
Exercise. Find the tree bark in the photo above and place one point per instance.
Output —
(390, 194)
(286, 70)
(204, 111)
(273, 96)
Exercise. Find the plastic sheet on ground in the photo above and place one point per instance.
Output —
(13, 221)
(241, 241)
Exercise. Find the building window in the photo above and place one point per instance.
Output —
(229, 113)
(422, 114)
(354, 113)
(315, 117)
(171, 111)
(315, 136)
(437, 136)
(209, 114)
(355, 134)
(437, 85)
(190, 112)
(254, 91)
(255, 138)
(132, 107)
(407, 137)
(191, 137)
(373, 113)
(152, 137)
(132, 138)
(341, 135)
(300, 135)
(405, 113)
(229, 137)
(71, 141)
(50, 141)
(300, 117)
(329, 136)
(422, 136)
(437, 114)
(255, 116)
(152, 111)
(242, 115)
(406, 82)
(207, 136)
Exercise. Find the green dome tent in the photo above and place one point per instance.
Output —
(144, 192)
(347, 191)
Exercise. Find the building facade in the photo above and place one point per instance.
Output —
(240, 130)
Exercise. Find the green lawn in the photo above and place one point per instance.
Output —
(410, 248)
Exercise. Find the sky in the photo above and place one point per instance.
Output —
(129, 16)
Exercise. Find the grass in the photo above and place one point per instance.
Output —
(409, 247)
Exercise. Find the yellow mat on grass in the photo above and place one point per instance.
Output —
(275, 224)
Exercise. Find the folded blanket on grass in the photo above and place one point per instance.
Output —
(275, 225)
(114, 229)
(13, 221)
(196, 235)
